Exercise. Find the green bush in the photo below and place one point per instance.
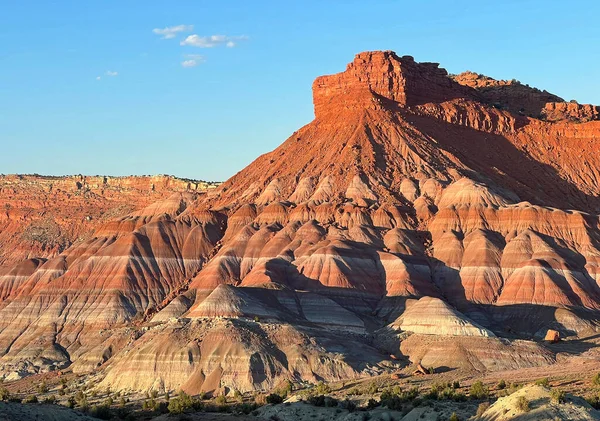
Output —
(501, 385)
(596, 379)
(523, 404)
(100, 411)
(479, 391)
(4, 394)
(558, 396)
(453, 417)
(455, 384)
(42, 387)
(50, 400)
(543, 382)
(274, 399)
(322, 389)
(221, 400)
(594, 401)
(180, 404)
(31, 399)
(321, 400)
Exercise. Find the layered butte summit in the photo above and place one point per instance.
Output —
(421, 217)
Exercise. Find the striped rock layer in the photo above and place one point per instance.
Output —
(410, 203)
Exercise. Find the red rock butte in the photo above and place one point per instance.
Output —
(418, 212)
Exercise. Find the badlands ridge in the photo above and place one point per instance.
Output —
(420, 217)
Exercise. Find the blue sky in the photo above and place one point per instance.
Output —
(249, 65)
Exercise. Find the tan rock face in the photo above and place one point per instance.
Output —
(409, 201)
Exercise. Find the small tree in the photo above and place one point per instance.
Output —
(478, 391)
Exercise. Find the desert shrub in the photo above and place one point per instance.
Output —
(80, 397)
(61, 392)
(596, 379)
(100, 411)
(543, 382)
(372, 389)
(372, 403)
(558, 396)
(394, 403)
(50, 400)
(4, 394)
(246, 408)
(478, 391)
(274, 399)
(42, 387)
(501, 385)
(30, 399)
(453, 417)
(483, 406)
(237, 396)
(180, 404)
(221, 400)
(594, 401)
(523, 404)
(15, 399)
(108, 401)
(513, 388)
(71, 402)
(260, 399)
(348, 404)
(285, 389)
(322, 389)
(321, 400)
(122, 402)
(148, 404)
(456, 384)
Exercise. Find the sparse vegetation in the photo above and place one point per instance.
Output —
(180, 404)
(30, 399)
(543, 382)
(523, 404)
(501, 385)
(483, 406)
(4, 394)
(479, 391)
(596, 379)
(454, 417)
(274, 399)
(558, 396)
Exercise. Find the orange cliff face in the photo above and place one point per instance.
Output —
(410, 193)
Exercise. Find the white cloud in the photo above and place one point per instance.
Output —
(192, 60)
(98, 78)
(211, 41)
(111, 73)
(172, 31)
